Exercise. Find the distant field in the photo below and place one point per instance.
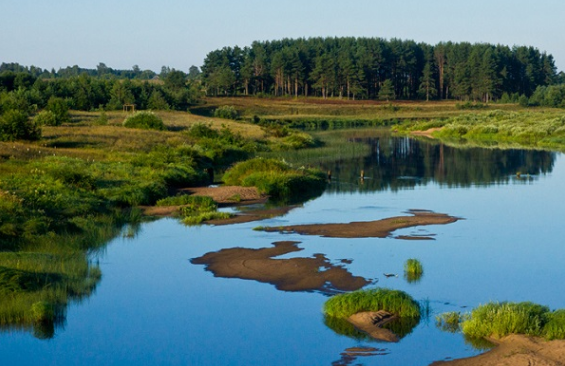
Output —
(293, 108)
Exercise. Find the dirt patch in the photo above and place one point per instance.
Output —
(369, 229)
(229, 195)
(516, 350)
(427, 133)
(294, 274)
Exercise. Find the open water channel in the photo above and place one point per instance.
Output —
(153, 306)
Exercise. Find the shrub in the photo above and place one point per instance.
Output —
(276, 179)
(16, 125)
(60, 108)
(394, 301)
(227, 112)
(46, 118)
(145, 120)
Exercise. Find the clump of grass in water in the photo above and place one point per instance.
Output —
(449, 322)
(413, 270)
(394, 301)
(501, 319)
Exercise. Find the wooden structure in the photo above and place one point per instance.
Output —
(129, 108)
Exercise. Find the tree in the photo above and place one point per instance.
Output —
(387, 91)
(175, 79)
(427, 84)
(193, 73)
(60, 108)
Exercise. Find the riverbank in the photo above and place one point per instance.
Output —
(516, 350)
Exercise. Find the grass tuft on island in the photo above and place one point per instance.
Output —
(396, 302)
(499, 319)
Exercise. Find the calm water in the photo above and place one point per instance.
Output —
(153, 307)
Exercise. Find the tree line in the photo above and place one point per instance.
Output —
(375, 68)
(30, 88)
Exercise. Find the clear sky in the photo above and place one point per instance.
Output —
(177, 33)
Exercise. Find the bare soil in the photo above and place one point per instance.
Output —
(516, 350)
(371, 322)
(370, 229)
(294, 274)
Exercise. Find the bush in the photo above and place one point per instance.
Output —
(145, 120)
(276, 179)
(46, 118)
(227, 112)
(16, 125)
(60, 108)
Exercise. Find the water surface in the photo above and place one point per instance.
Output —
(154, 307)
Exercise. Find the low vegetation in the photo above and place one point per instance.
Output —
(145, 120)
(276, 178)
(413, 270)
(499, 319)
(538, 129)
(396, 302)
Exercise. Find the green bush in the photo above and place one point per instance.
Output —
(45, 118)
(227, 112)
(16, 125)
(145, 120)
(276, 179)
(60, 108)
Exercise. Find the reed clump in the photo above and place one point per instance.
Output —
(413, 270)
(499, 319)
(394, 301)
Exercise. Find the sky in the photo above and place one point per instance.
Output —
(180, 33)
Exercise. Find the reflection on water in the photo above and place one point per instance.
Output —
(401, 162)
(350, 355)
(294, 274)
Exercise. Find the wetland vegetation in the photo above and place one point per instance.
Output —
(74, 169)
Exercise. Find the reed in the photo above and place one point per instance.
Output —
(413, 270)
(394, 301)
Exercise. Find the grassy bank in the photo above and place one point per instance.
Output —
(536, 128)
(67, 194)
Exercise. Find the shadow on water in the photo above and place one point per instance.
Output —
(400, 162)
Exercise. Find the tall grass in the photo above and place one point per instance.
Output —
(394, 301)
(499, 319)
(538, 128)
(276, 178)
(413, 270)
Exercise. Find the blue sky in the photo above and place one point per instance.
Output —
(176, 33)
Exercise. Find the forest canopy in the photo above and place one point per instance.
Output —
(359, 68)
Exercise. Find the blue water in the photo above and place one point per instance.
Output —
(153, 307)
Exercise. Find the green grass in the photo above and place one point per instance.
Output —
(499, 319)
(413, 270)
(199, 218)
(449, 322)
(394, 301)
(537, 128)
(276, 178)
